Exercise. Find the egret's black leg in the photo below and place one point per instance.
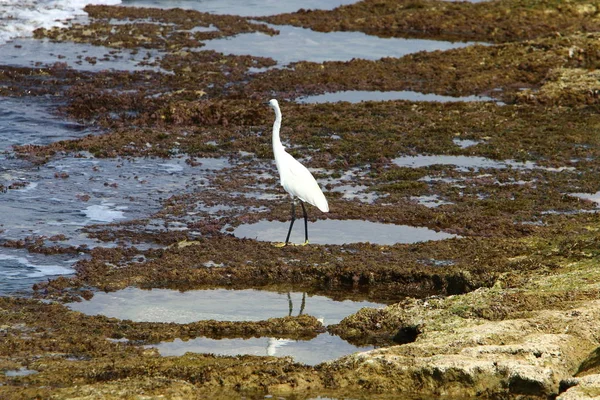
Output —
(303, 303)
(290, 304)
(305, 223)
(287, 239)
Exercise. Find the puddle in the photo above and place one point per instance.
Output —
(356, 96)
(324, 347)
(339, 232)
(165, 305)
(595, 197)
(466, 163)
(430, 201)
(28, 52)
(318, 47)
(436, 263)
(465, 143)
(20, 372)
(356, 192)
(253, 8)
(462, 163)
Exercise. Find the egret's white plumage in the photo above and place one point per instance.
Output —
(295, 178)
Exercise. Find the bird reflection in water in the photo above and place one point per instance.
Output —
(274, 344)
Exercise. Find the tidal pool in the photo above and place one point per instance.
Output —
(58, 199)
(166, 305)
(464, 143)
(356, 96)
(430, 201)
(339, 232)
(465, 163)
(324, 347)
(315, 46)
(20, 372)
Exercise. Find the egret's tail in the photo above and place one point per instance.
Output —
(321, 203)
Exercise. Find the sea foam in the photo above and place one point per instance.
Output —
(19, 18)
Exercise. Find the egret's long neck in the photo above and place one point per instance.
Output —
(276, 127)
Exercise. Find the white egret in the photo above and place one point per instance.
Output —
(295, 178)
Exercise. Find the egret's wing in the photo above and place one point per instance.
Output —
(297, 180)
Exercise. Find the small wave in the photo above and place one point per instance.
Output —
(32, 270)
(103, 213)
(19, 18)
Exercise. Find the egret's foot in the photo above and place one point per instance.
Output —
(305, 243)
(279, 244)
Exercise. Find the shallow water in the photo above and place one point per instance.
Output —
(324, 347)
(309, 45)
(19, 269)
(66, 194)
(356, 96)
(164, 305)
(28, 121)
(95, 191)
(29, 52)
(339, 232)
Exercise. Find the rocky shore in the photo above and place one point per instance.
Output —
(509, 308)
